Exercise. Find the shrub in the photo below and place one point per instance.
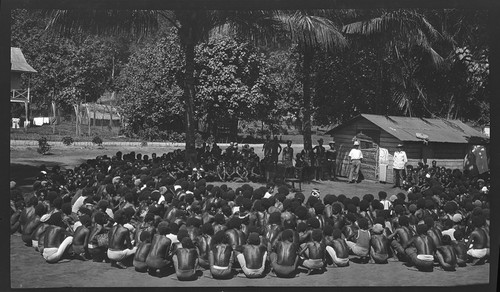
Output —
(43, 146)
(97, 140)
(67, 140)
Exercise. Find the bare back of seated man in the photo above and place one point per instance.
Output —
(252, 256)
(284, 257)
(314, 251)
(186, 261)
(220, 257)
(379, 245)
(81, 239)
(420, 249)
(478, 241)
(400, 237)
(28, 229)
(56, 241)
(120, 246)
(159, 254)
(142, 252)
(37, 237)
(446, 254)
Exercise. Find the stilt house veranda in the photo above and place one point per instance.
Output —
(448, 142)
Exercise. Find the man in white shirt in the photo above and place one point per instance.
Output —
(399, 165)
(355, 156)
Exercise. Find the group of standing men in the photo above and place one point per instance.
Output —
(316, 163)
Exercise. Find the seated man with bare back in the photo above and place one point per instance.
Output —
(56, 241)
(203, 244)
(220, 256)
(379, 245)
(81, 238)
(478, 241)
(313, 252)
(336, 246)
(446, 254)
(142, 252)
(120, 246)
(29, 220)
(460, 247)
(186, 261)
(252, 256)
(400, 237)
(158, 259)
(284, 257)
(420, 249)
(32, 224)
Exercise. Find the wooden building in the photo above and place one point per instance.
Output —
(18, 92)
(448, 141)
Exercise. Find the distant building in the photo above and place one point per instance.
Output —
(448, 140)
(19, 66)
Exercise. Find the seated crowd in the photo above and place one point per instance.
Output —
(131, 211)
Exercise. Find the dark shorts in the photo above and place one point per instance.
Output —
(141, 267)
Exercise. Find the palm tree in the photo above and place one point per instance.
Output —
(408, 36)
(310, 30)
(193, 27)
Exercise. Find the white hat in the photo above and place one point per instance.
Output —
(356, 143)
(315, 193)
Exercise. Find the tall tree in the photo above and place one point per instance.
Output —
(193, 26)
(310, 30)
(408, 37)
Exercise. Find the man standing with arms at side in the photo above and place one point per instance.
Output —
(355, 156)
(331, 157)
(398, 166)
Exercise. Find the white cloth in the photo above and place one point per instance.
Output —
(38, 121)
(383, 156)
(267, 195)
(355, 154)
(78, 204)
(399, 160)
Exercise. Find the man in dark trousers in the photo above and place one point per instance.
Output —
(331, 157)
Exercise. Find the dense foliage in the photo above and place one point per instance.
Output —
(441, 70)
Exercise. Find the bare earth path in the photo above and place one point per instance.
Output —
(25, 261)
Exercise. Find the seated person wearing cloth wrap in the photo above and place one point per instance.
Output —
(446, 254)
(252, 256)
(37, 237)
(186, 261)
(98, 250)
(56, 241)
(478, 241)
(420, 249)
(313, 252)
(361, 247)
(203, 244)
(81, 238)
(379, 245)
(142, 252)
(159, 254)
(220, 256)
(283, 257)
(120, 246)
(336, 246)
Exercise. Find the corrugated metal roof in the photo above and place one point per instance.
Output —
(438, 130)
(18, 62)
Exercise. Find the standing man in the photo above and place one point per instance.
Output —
(355, 156)
(287, 157)
(331, 158)
(399, 165)
(319, 163)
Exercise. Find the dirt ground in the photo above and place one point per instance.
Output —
(25, 261)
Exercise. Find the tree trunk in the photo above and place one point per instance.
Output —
(88, 115)
(306, 90)
(188, 37)
(53, 103)
(76, 107)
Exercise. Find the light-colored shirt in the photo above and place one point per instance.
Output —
(355, 154)
(399, 160)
